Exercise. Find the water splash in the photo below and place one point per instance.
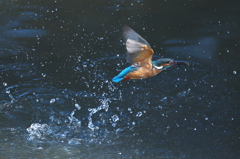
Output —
(104, 106)
(37, 131)
(73, 120)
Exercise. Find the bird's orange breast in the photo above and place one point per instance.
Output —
(142, 72)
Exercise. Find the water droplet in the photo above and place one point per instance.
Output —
(78, 106)
(139, 114)
(114, 125)
(84, 64)
(74, 141)
(52, 100)
(119, 130)
(115, 118)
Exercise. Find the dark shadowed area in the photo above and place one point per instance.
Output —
(57, 98)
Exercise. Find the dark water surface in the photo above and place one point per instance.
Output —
(57, 59)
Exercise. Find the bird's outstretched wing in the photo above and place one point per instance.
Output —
(138, 49)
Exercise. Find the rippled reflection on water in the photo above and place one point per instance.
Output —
(57, 99)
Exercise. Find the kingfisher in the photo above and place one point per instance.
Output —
(139, 54)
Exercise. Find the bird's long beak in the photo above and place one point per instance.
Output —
(180, 63)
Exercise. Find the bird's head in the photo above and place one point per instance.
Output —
(164, 63)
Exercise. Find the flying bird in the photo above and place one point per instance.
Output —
(139, 54)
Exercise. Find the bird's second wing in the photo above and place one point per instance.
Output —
(138, 49)
(129, 33)
(138, 52)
